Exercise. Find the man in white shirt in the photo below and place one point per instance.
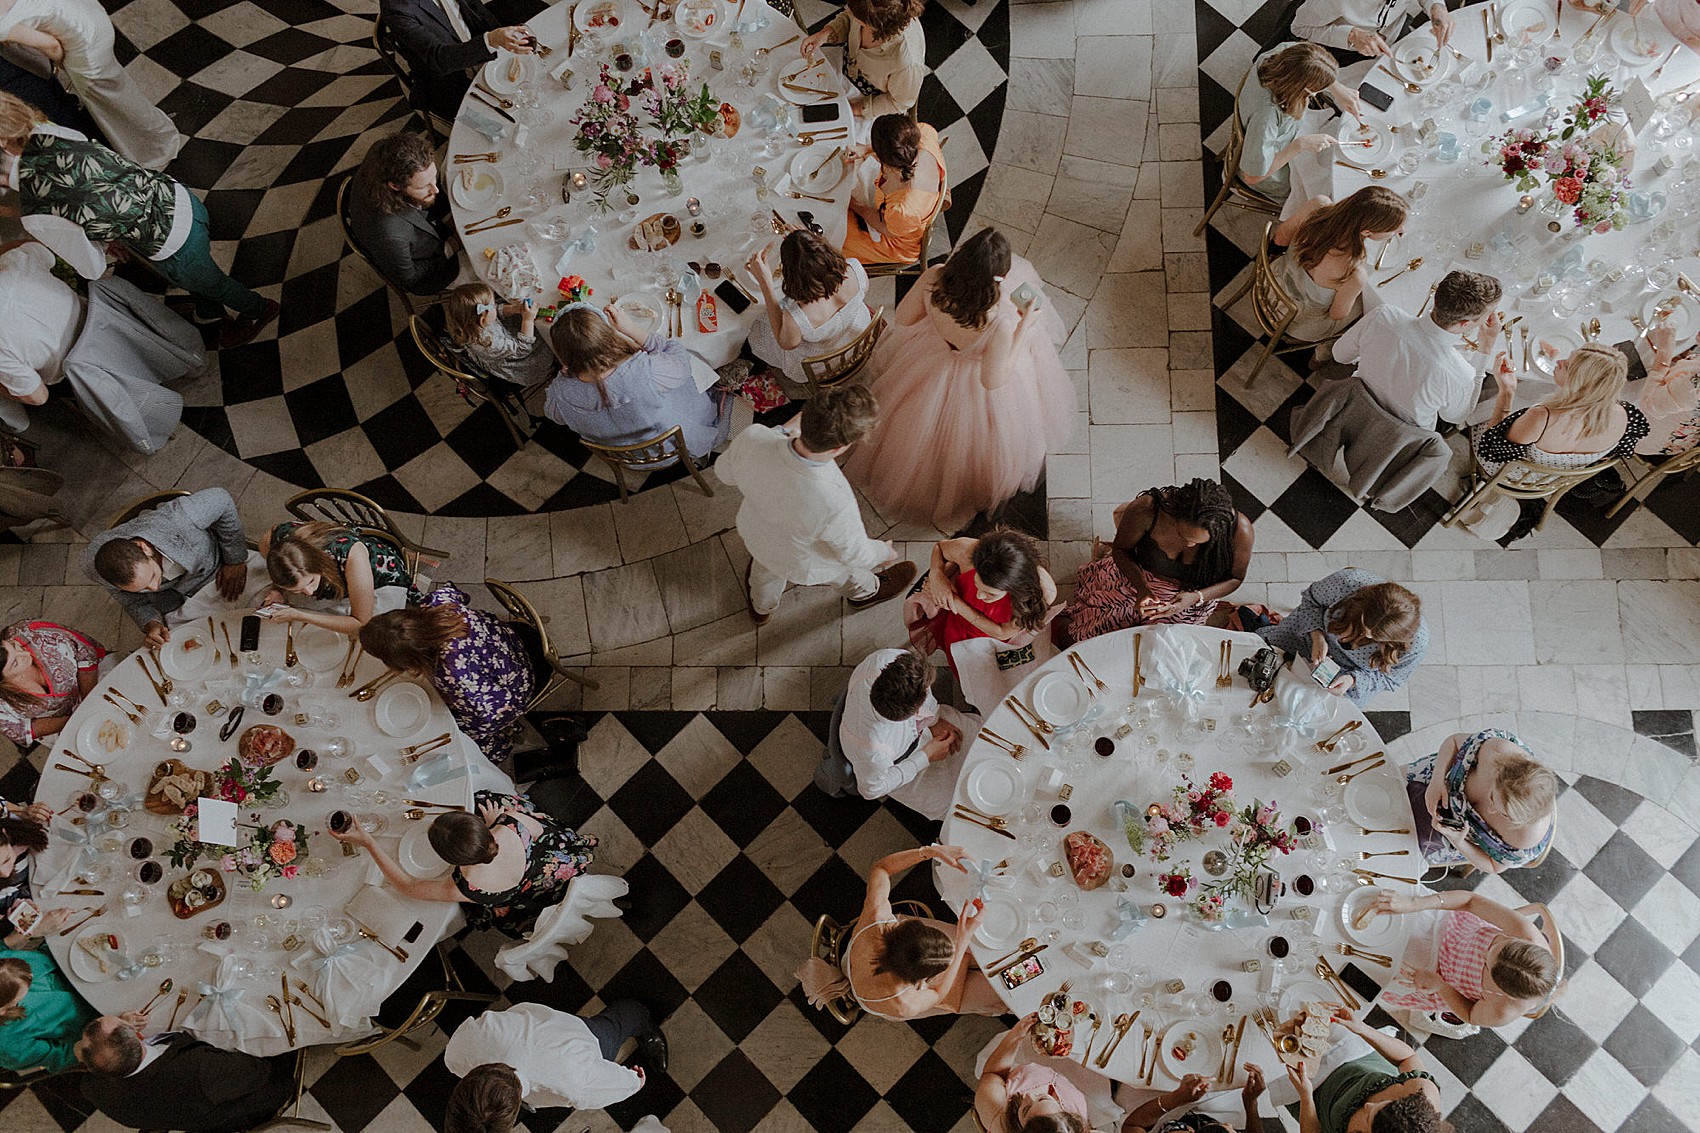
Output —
(42, 319)
(799, 517)
(900, 742)
(1412, 364)
(547, 1059)
(1365, 26)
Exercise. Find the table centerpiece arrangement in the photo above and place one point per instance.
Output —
(620, 142)
(1582, 161)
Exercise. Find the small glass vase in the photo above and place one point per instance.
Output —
(672, 183)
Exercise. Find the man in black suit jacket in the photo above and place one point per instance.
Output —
(399, 215)
(440, 53)
(175, 1081)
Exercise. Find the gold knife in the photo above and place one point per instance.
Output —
(977, 821)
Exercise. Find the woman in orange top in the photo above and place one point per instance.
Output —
(909, 192)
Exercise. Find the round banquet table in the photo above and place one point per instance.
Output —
(1144, 767)
(347, 886)
(725, 183)
(1467, 206)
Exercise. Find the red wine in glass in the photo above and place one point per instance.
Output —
(1222, 990)
(149, 873)
(1303, 826)
(1105, 746)
(1304, 884)
(272, 704)
(141, 849)
(341, 820)
(1279, 948)
(306, 759)
(1060, 814)
(87, 801)
(183, 723)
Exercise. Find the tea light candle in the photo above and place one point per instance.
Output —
(578, 179)
(1524, 204)
(1159, 910)
(1153, 810)
(316, 785)
(178, 744)
(693, 206)
(282, 900)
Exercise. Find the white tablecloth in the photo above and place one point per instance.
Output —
(725, 184)
(1469, 202)
(331, 894)
(1176, 946)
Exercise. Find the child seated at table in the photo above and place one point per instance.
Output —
(481, 331)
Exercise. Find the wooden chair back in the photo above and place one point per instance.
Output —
(830, 940)
(833, 369)
(427, 331)
(1234, 187)
(646, 456)
(547, 668)
(351, 509)
(423, 1014)
(144, 503)
(384, 44)
(1524, 480)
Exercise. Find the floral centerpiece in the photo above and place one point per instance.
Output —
(609, 130)
(675, 109)
(1585, 175)
(1190, 812)
(1257, 833)
(269, 851)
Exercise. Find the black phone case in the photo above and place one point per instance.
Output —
(732, 297)
(821, 112)
(1375, 96)
(250, 633)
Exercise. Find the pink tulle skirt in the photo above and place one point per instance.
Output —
(945, 447)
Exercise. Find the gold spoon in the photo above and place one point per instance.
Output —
(165, 987)
(1412, 266)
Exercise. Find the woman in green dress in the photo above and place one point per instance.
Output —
(328, 562)
(1376, 1085)
(41, 1016)
(511, 861)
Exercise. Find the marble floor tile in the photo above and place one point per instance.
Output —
(1071, 256)
(1093, 193)
(1033, 141)
(648, 524)
(1129, 387)
(583, 539)
(1042, 86)
(1128, 459)
(1042, 31)
(624, 606)
(1488, 623)
(697, 585)
(518, 548)
(1107, 316)
(1115, 66)
(1111, 129)
(1661, 621)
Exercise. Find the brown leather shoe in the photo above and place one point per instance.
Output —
(241, 330)
(749, 602)
(894, 580)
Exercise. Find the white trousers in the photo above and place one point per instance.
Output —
(768, 587)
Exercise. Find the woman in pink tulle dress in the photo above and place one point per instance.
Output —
(971, 391)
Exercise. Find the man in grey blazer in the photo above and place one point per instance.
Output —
(164, 557)
(400, 216)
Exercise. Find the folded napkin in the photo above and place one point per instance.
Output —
(348, 978)
(481, 122)
(567, 923)
(1180, 668)
(1129, 919)
(387, 916)
(229, 1012)
(1303, 709)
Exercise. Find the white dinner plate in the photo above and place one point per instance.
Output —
(1206, 1055)
(1637, 44)
(1563, 343)
(698, 18)
(994, 785)
(86, 968)
(1684, 317)
(1378, 932)
(319, 649)
(476, 186)
(1376, 800)
(402, 710)
(816, 172)
(1378, 151)
(502, 76)
(1295, 995)
(1422, 59)
(1061, 699)
(644, 308)
(88, 737)
(818, 75)
(188, 653)
(1001, 924)
(592, 15)
(1531, 20)
(416, 856)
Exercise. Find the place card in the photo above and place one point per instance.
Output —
(215, 822)
(1637, 104)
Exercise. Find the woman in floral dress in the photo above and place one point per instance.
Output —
(510, 861)
(45, 671)
(475, 661)
(331, 563)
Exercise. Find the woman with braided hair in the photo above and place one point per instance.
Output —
(1178, 552)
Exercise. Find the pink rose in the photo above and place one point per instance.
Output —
(1221, 818)
(283, 832)
(602, 94)
(603, 161)
(1157, 826)
(1602, 227)
(290, 871)
(1567, 189)
(227, 863)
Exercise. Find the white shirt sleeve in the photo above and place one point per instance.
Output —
(1466, 389)
(67, 241)
(554, 1053)
(1349, 346)
(1322, 21)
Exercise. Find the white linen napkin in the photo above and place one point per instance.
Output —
(347, 978)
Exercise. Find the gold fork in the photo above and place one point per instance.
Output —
(996, 740)
(1225, 658)
(1344, 779)
(1372, 957)
(468, 158)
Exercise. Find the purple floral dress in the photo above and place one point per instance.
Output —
(552, 859)
(484, 677)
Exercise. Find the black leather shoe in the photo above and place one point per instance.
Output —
(652, 1052)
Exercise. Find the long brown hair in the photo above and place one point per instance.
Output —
(15, 976)
(412, 639)
(392, 161)
(302, 552)
(24, 832)
(1385, 613)
(1293, 75)
(1340, 227)
(967, 287)
(813, 268)
(896, 141)
(24, 702)
(1061, 1122)
(460, 312)
(1009, 561)
(586, 343)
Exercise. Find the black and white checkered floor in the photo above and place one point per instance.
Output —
(1251, 421)
(280, 100)
(732, 853)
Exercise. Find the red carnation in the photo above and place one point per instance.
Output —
(1567, 189)
(1177, 887)
(1220, 782)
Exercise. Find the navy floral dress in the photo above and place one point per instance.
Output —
(388, 569)
(552, 859)
(484, 677)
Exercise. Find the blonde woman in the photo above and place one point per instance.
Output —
(1272, 112)
(77, 37)
(1482, 800)
(330, 563)
(1325, 268)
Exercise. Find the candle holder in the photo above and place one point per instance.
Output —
(282, 900)
(179, 744)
